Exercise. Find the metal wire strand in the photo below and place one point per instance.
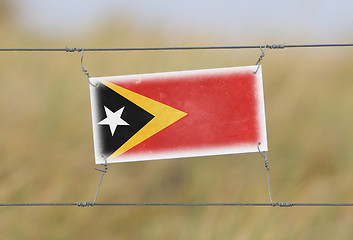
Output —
(270, 46)
(86, 204)
(82, 67)
(260, 59)
(103, 172)
(263, 154)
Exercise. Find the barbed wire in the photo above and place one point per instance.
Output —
(268, 46)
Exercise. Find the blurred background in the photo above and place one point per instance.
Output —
(46, 141)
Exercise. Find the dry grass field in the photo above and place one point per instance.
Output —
(46, 145)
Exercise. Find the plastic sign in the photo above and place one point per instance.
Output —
(178, 114)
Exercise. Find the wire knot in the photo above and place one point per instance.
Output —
(84, 204)
(283, 204)
(260, 58)
(105, 164)
(276, 46)
(267, 164)
(263, 48)
(68, 49)
(263, 154)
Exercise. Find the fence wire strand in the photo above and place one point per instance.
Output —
(88, 204)
(268, 46)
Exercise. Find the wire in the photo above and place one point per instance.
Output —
(87, 204)
(104, 171)
(273, 46)
(35, 204)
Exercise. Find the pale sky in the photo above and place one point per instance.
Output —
(312, 20)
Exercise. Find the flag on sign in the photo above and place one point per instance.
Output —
(178, 114)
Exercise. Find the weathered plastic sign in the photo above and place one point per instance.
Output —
(178, 114)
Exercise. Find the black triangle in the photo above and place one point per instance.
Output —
(134, 115)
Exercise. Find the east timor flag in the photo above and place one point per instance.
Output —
(178, 114)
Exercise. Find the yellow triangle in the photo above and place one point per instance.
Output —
(163, 117)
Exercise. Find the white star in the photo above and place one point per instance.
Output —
(113, 119)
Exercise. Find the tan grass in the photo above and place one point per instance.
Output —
(47, 150)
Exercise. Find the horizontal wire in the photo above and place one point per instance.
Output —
(86, 204)
(272, 46)
(35, 204)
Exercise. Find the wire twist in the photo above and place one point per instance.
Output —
(260, 59)
(263, 48)
(82, 67)
(68, 49)
(84, 204)
(276, 46)
(284, 204)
